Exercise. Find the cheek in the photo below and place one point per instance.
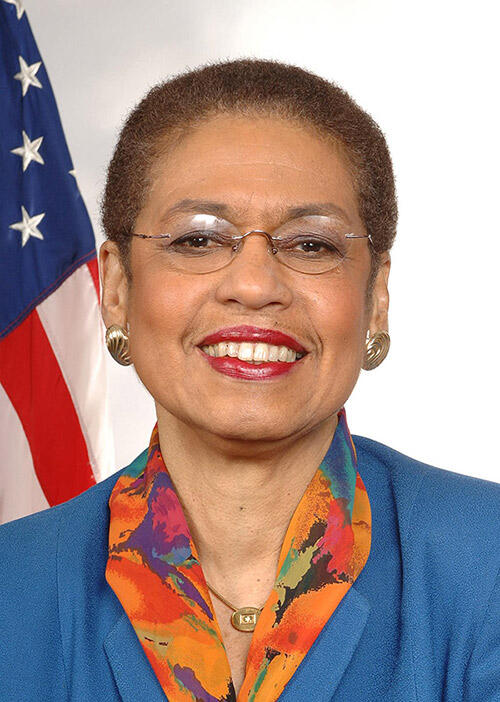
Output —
(341, 323)
(159, 306)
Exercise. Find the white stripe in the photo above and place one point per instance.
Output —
(20, 492)
(72, 322)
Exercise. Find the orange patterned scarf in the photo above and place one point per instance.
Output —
(154, 569)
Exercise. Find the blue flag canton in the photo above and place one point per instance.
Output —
(45, 230)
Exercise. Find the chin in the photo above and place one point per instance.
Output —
(245, 427)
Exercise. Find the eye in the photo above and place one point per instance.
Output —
(313, 245)
(197, 240)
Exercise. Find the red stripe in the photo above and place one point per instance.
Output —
(46, 292)
(32, 379)
(94, 272)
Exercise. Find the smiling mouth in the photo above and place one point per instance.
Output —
(254, 353)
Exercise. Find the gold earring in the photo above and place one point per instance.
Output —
(117, 343)
(377, 348)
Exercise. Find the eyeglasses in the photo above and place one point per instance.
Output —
(203, 243)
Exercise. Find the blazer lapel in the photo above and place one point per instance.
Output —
(319, 674)
(316, 678)
(132, 671)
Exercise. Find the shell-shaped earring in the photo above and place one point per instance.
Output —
(377, 348)
(117, 343)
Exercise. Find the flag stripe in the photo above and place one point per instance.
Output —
(52, 352)
(32, 379)
(21, 493)
(47, 291)
(71, 319)
(94, 272)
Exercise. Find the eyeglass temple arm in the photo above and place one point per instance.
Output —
(361, 236)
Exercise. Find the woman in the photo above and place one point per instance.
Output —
(255, 550)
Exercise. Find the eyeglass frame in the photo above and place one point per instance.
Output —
(239, 238)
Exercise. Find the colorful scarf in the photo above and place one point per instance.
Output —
(154, 569)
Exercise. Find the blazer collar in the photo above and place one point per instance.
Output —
(319, 674)
(132, 671)
(316, 678)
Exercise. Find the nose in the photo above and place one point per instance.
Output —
(261, 232)
(254, 279)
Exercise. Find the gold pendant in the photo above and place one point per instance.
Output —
(245, 619)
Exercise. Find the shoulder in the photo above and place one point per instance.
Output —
(34, 543)
(428, 495)
(52, 572)
(448, 534)
(37, 533)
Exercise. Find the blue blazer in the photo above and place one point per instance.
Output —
(421, 622)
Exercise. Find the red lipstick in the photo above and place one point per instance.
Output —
(245, 332)
(248, 371)
(236, 368)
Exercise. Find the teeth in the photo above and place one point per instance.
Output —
(252, 353)
(273, 353)
(245, 352)
(283, 353)
(221, 349)
(261, 352)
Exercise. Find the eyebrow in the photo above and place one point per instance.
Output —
(219, 209)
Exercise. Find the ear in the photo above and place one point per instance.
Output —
(114, 285)
(379, 313)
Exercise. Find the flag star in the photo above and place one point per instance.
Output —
(29, 151)
(28, 226)
(73, 173)
(27, 74)
(19, 7)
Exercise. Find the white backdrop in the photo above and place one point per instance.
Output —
(428, 73)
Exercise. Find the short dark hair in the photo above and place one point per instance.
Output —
(249, 87)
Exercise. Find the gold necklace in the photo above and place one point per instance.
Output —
(244, 618)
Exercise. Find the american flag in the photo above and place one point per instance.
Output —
(55, 438)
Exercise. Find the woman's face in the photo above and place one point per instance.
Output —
(257, 168)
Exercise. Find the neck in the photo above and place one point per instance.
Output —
(238, 502)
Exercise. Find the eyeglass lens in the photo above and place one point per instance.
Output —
(202, 243)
